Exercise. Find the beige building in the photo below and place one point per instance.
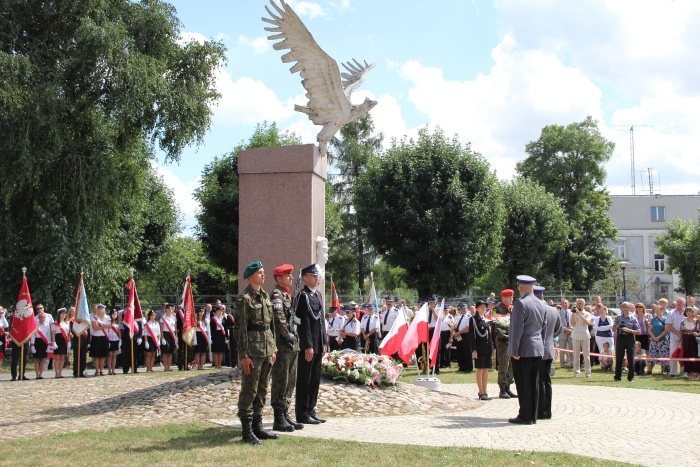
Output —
(638, 219)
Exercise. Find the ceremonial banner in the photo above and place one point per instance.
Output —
(373, 295)
(435, 342)
(391, 344)
(128, 317)
(81, 321)
(417, 332)
(23, 321)
(335, 302)
(189, 324)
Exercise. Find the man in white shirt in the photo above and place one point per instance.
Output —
(369, 326)
(581, 337)
(673, 326)
(336, 322)
(388, 316)
(461, 337)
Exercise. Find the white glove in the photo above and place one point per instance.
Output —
(138, 341)
(33, 349)
(68, 347)
(163, 342)
(147, 345)
(55, 346)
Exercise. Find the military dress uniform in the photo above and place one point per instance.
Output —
(284, 371)
(312, 335)
(505, 368)
(544, 406)
(254, 318)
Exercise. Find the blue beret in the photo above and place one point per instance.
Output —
(527, 280)
(313, 270)
(251, 268)
(539, 290)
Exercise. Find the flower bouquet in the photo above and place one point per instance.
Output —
(354, 367)
(502, 322)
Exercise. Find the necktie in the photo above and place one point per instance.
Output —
(367, 328)
(386, 316)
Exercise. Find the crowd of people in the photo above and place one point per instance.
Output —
(110, 344)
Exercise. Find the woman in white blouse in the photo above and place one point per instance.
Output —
(60, 335)
(151, 339)
(98, 339)
(113, 342)
(41, 342)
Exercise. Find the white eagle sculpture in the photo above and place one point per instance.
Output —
(329, 96)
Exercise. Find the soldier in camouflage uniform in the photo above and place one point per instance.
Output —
(284, 371)
(257, 349)
(500, 337)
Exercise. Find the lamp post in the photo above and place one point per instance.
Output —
(623, 266)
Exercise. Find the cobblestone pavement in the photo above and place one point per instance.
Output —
(623, 424)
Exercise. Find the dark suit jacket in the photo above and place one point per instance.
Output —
(527, 324)
(312, 329)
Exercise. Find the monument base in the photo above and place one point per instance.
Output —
(433, 383)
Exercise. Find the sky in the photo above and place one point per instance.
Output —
(494, 73)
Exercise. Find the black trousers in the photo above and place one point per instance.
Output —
(445, 353)
(126, 353)
(464, 354)
(544, 408)
(526, 372)
(18, 368)
(333, 344)
(79, 356)
(308, 382)
(624, 344)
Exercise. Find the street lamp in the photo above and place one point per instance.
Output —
(623, 266)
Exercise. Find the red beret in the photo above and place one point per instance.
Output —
(282, 270)
(507, 293)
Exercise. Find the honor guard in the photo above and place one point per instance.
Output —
(544, 406)
(350, 330)
(284, 371)
(312, 345)
(257, 348)
(500, 337)
(388, 316)
(336, 323)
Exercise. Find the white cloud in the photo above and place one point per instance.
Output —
(247, 101)
(501, 111)
(186, 37)
(184, 196)
(307, 9)
(259, 45)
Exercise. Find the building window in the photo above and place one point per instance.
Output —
(619, 249)
(658, 213)
(659, 262)
(663, 290)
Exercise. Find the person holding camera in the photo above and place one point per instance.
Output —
(626, 327)
(581, 337)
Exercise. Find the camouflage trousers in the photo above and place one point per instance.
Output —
(251, 398)
(505, 369)
(284, 379)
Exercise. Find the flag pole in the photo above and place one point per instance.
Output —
(21, 350)
(133, 368)
(77, 368)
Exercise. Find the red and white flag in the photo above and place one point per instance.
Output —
(81, 320)
(417, 332)
(391, 344)
(435, 342)
(132, 312)
(23, 321)
(189, 323)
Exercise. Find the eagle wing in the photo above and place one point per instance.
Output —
(355, 76)
(320, 74)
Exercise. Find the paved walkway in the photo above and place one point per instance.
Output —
(621, 424)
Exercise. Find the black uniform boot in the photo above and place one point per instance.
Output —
(260, 432)
(280, 423)
(510, 393)
(297, 426)
(503, 394)
(248, 436)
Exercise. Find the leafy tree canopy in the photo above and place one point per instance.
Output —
(433, 208)
(681, 243)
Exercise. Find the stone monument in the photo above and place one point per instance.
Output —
(282, 190)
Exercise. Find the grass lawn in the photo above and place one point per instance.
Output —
(204, 444)
(656, 381)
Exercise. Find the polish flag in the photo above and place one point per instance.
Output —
(435, 342)
(189, 323)
(417, 332)
(23, 322)
(391, 344)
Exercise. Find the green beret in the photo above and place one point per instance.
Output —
(251, 268)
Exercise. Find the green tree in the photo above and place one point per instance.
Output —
(681, 243)
(568, 161)
(89, 91)
(535, 228)
(433, 208)
(350, 154)
(217, 195)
